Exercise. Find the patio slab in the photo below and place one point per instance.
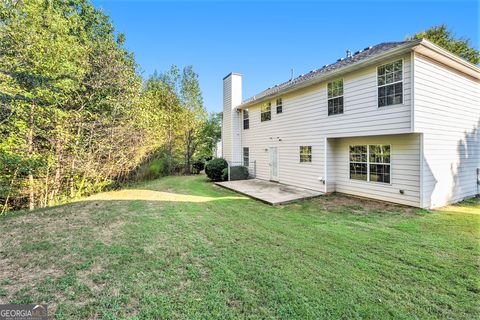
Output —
(270, 192)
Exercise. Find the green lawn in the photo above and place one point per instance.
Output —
(182, 248)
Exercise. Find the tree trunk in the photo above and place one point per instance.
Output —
(31, 193)
(5, 205)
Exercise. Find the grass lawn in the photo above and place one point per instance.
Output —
(182, 248)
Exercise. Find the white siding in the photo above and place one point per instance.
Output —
(447, 112)
(231, 136)
(227, 119)
(405, 169)
(304, 122)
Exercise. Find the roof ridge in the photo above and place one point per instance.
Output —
(358, 56)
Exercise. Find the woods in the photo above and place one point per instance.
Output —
(75, 115)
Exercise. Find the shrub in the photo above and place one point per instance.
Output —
(198, 166)
(225, 174)
(214, 169)
(156, 168)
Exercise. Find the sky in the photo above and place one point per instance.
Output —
(265, 40)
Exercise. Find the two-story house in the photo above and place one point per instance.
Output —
(398, 122)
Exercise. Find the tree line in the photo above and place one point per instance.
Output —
(75, 115)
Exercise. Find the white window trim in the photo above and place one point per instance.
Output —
(277, 106)
(261, 113)
(243, 156)
(300, 154)
(243, 119)
(369, 163)
(403, 84)
(343, 95)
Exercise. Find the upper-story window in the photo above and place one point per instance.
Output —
(390, 83)
(279, 105)
(246, 120)
(335, 97)
(266, 112)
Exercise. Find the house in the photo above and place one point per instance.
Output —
(397, 122)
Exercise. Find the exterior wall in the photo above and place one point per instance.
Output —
(404, 170)
(231, 137)
(305, 122)
(447, 112)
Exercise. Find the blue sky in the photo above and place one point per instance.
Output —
(264, 40)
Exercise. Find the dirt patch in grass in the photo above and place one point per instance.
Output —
(357, 205)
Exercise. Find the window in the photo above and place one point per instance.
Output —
(306, 154)
(266, 112)
(358, 163)
(279, 105)
(390, 84)
(246, 120)
(379, 162)
(370, 163)
(335, 97)
(246, 157)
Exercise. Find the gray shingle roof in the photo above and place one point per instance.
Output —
(355, 58)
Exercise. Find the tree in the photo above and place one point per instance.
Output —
(443, 37)
(211, 133)
(75, 116)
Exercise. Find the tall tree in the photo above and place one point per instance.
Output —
(443, 37)
(75, 117)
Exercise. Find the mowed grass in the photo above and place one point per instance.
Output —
(182, 248)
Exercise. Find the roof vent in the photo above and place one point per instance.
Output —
(368, 48)
(349, 54)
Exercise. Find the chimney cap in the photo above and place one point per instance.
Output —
(232, 74)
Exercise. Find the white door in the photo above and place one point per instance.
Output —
(273, 164)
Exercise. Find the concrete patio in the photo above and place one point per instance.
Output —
(270, 192)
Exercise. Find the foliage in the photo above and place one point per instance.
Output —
(181, 248)
(225, 174)
(443, 37)
(214, 168)
(211, 133)
(198, 166)
(75, 117)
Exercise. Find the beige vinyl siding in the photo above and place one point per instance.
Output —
(405, 169)
(305, 122)
(279, 132)
(361, 113)
(447, 112)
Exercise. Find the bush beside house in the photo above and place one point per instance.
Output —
(214, 169)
